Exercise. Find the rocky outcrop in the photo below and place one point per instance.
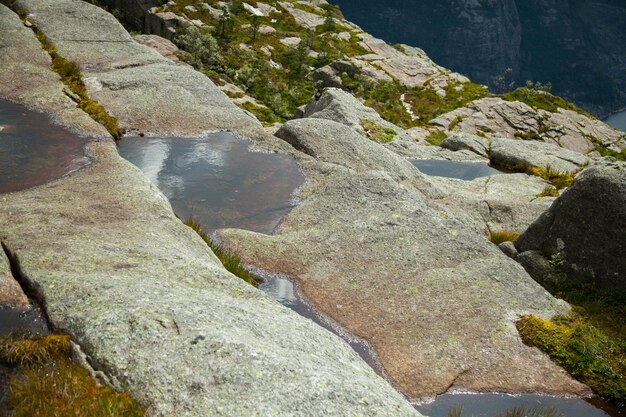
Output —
(578, 46)
(148, 303)
(377, 254)
(584, 232)
(495, 117)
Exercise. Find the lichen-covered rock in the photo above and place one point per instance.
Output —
(461, 141)
(11, 293)
(25, 77)
(143, 90)
(586, 228)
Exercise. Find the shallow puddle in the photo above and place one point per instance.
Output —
(491, 405)
(217, 179)
(33, 150)
(18, 323)
(454, 169)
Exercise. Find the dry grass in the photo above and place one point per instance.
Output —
(501, 236)
(44, 382)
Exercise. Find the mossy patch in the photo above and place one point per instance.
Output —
(44, 382)
(549, 191)
(436, 137)
(559, 179)
(376, 132)
(585, 350)
(231, 263)
(71, 76)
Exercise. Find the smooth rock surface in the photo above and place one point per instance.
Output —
(586, 226)
(339, 144)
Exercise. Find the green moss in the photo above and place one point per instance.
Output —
(44, 382)
(500, 236)
(436, 137)
(528, 136)
(71, 76)
(376, 132)
(586, 351)
(455, 122)
(543, 100)
(231, 263)
(265, 115)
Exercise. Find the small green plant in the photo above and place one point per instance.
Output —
(231, 263)
(455, 122)
(436, 136)
(549, 191)
(44, 382)
(501, 236)
(543, 100)
(376, 132)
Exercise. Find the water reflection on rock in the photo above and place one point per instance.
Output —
(453, 169)
(217, 179)
(33, 150)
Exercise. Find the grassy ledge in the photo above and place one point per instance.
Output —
(44, 382)
(71, 76)
(230, 262)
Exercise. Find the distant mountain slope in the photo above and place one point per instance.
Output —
(579, 46)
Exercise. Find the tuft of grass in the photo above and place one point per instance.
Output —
(44, 382)
(28, 352)
(549, 191)
(501, 236)
(436, 137)
(230, 262)
(560, 179)
(71, 76)
(376, 132)
(455, 122)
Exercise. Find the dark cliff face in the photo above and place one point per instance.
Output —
(578, 45)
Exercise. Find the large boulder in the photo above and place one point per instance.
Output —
(585, 229)
(339, 144)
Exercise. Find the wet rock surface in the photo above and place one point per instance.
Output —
(377, 255)
(585, 228)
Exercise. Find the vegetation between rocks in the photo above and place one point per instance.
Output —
(44, 382)
(501, 236)
(230, 262)
(71, 76)
(539, 99)
(376, 132)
